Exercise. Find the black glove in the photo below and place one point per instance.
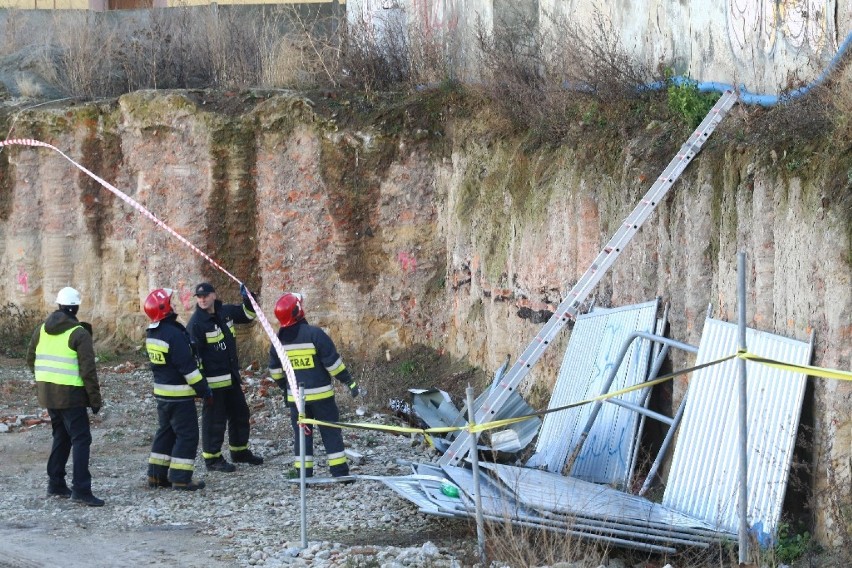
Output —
(354, 390)
(208, 397)
(96, 409)
(244, 292)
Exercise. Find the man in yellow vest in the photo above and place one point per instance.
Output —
(62, 357)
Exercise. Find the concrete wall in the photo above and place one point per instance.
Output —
(101, 5)
(768, 46)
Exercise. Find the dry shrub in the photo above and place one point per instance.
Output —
(541, 72)
(91, 55)
(376, 55)
(16, 328)
(28, 87)
(510, 544)
(593, 57)
(16, 31)
(841, 100)
(284, 59)
(198, 47)
(381, 54)
(310, 53)
(234, 49)
(168, 49)
(284, 65)
(83, 64)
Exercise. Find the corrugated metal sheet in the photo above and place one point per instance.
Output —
(703, 479)
(596, 340)
(436, 409)
(545, 491)
(522, 433)
(546, 501)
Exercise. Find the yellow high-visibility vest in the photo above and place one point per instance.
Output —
(55, 362)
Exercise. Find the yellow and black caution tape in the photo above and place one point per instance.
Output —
(476, 428)
(806, 369)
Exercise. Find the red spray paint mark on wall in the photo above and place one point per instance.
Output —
(437, 15)
(185, 295)
(407, 261)
(23, 280)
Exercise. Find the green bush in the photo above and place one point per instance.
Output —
(790, 546)
(688, 103)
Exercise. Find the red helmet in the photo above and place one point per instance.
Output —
(158, 304)
(288, 309)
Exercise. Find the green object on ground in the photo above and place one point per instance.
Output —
(449, 489)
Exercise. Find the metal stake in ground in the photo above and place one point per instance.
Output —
(474, 460)
(303, 476)
(743, 409)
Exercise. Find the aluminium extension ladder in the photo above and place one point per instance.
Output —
(569, 307)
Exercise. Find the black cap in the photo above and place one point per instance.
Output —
(204, 288)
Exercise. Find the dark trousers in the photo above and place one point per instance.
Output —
(332, 438)
(176, 441)
(229, 409)
(70, 433)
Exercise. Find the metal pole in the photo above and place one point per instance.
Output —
(610, 378)
(303, 476)
(477, 494)
(743, 411)
(664, 447)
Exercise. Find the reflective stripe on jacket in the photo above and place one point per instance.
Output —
(79, 341)
(314, 359)
(55, 361)
(176, 373)
(213, 337)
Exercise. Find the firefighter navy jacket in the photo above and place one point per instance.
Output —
(176, 374)
(213, 337)
(314, 359)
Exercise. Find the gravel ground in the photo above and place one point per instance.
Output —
(250, 517)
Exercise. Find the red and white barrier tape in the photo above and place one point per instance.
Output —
(273, 337)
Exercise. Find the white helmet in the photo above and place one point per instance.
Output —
(68, 297)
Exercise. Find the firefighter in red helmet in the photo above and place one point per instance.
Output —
(177, 382)
(315, 362)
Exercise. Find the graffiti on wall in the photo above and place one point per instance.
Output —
(759, 25)
(432, 17)
(23, 280)
(437, 15)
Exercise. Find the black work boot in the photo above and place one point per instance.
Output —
(220, 464)
(58, 491)
(296, 473)
(156, 483)
(245, 456)
(191, 486)
(86, 499)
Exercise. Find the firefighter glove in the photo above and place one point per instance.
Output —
(96, 409)
(208, 397)
(354, 390)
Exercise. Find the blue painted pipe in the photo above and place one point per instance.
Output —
(748, 98)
